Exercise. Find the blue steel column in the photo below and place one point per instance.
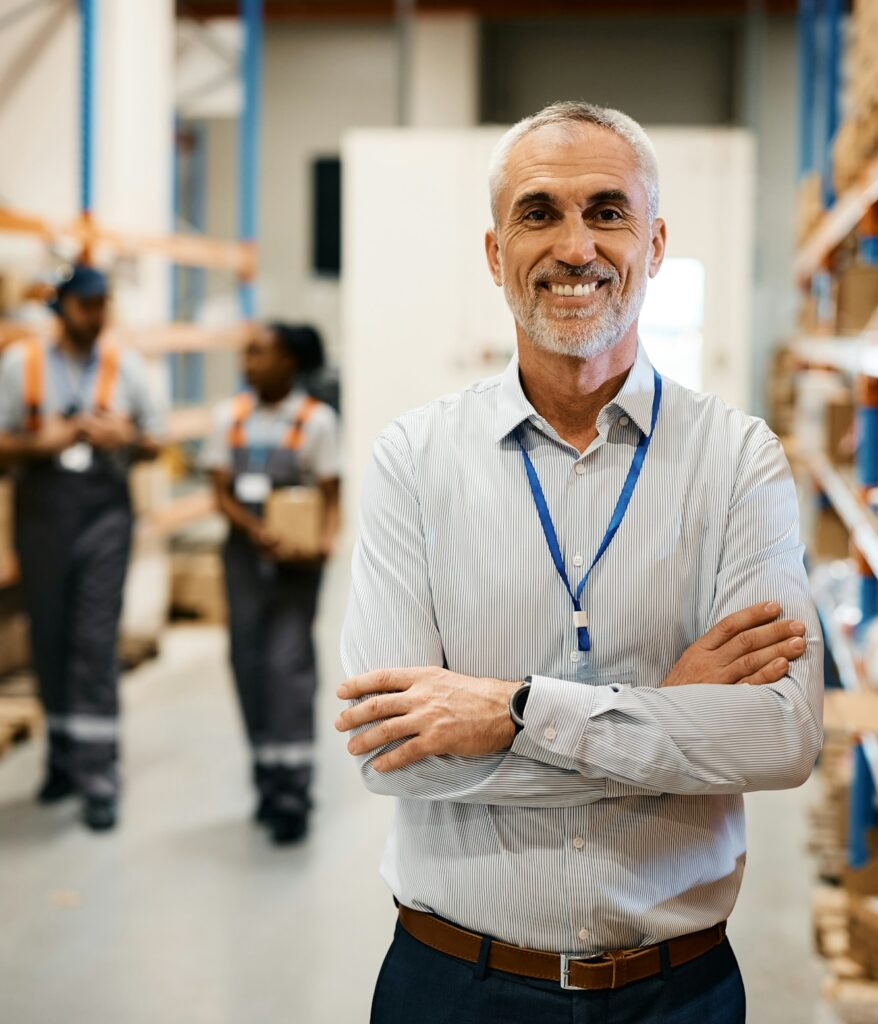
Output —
(832, 99)
(248, 143)
(88, 56)
(807, 25)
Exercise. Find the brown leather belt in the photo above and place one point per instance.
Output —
(609, 970)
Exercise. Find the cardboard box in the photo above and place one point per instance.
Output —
(295, 514)
(14, 643)
(8, 562)
(857, 298)
(839, 430)
(198, 586)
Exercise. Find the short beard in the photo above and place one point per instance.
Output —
(586, 333)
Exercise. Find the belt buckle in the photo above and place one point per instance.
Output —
(566, 959)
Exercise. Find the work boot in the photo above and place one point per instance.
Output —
(57, 786)
(100, 813)
(264, 779)
(290, 805)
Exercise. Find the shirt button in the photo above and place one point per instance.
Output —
(549, 733)
(584, 934)
(574, 655)
(580, 469)
(624, 421)
(578, 843)
(578, 560)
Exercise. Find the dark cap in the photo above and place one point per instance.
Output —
(82, 281)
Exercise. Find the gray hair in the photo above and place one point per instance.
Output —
(567, 113)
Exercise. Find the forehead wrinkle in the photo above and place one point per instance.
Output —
(546, 159)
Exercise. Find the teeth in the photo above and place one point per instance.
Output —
(577, 291)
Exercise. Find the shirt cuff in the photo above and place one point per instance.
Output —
(555, 719)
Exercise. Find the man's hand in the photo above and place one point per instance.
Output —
(57, 434)
(434, 710)
(109, 431)
(751, 646)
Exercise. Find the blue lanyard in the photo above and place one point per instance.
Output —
(579, 617)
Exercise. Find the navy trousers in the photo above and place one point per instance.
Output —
(73, 536)
(417, 983)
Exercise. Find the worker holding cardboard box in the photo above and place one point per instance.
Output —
(74, 417)
(273, 455)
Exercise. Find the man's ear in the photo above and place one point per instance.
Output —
(492, 251)
(659, 243)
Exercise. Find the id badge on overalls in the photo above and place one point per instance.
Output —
(77, 458)
(253, 488)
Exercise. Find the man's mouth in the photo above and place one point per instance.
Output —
(580, 290)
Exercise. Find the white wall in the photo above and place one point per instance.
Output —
(319, 81)
(444, 75)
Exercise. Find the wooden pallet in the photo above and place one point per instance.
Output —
(20, 719)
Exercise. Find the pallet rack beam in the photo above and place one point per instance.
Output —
(852, 355)
(861, 522)
(837, 222)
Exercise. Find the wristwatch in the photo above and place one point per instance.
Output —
(517, 702)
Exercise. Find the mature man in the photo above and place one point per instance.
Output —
(74, 415)
(564, 633)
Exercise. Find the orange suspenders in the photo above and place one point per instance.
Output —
(34, 372)
(242, 407)
(108, 373)
(34, 381)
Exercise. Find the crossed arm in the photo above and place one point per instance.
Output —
(740, 711)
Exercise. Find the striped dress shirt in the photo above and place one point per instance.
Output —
(616, 819)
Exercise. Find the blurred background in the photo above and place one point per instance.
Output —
(324, 162)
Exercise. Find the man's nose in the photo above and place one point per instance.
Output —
(575, 242)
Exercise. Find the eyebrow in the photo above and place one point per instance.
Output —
(608, 195)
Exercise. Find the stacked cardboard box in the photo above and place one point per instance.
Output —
(7, 549)
(829, 814)
(856, 141)
(856, 298)
(197, 586)
(809, 206)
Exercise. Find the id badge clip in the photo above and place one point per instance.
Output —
(253, 488)
(77, 458)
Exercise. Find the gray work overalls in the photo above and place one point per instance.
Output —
(272, 607)
(73, 537)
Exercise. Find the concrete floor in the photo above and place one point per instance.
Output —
(187, 914)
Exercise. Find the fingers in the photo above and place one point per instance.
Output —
(406, 753)
(771, 673)
(387, 680)
(751, 664)
(383, 733)
(729, 627)
(758, 639)
(373, 710)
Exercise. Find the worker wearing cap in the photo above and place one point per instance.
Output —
(74, 415)
(275, 435)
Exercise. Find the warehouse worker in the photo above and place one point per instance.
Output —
(564, 576)
(74, 415)
(275, 435)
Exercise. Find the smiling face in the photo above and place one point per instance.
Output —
(573, 246)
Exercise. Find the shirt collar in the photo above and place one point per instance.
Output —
(634, 399)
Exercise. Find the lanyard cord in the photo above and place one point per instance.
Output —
(583, 638)
(74, 391)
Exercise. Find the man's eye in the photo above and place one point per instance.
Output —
(536, 215)
(609, 215)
